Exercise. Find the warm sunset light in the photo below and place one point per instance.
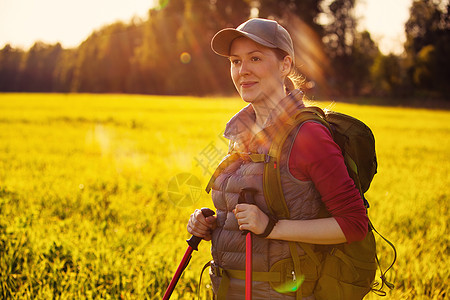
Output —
(385, 20)
(22, 22)
(342, 47)
(271, 136)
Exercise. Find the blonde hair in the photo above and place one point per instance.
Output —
(293, 81)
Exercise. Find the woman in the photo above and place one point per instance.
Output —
(313, 174)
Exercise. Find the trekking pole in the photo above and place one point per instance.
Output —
(193, 245)
(246, 196)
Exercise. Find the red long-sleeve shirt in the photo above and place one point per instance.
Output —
(316, 157)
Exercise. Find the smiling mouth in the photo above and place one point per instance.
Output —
(248, 84)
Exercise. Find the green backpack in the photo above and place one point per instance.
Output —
(347, 271)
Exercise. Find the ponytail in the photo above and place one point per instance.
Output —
(293, 81)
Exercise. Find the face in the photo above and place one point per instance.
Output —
(257, 73)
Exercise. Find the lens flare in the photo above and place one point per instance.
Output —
(291, 286)
(185, 57)
(310, 57)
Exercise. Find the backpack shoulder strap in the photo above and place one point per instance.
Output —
(273, 192)
(302, 115)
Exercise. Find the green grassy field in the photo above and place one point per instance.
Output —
(86, 209)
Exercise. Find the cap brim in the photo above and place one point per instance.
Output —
(221, 42)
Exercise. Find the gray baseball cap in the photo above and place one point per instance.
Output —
(262, 31)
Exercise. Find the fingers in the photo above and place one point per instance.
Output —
(250, 217)
(205, 234)
(200, 226)
(243, 214)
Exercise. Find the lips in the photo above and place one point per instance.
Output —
(248, 84)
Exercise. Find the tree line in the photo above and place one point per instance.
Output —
(169, 52)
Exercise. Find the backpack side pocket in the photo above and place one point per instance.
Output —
(347, 276)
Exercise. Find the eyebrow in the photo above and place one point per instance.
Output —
(249, 53)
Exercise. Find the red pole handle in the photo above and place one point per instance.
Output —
(195, 240)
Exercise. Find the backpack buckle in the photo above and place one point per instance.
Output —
(245, 156)
(216, 270)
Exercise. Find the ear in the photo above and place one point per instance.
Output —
(286, 65)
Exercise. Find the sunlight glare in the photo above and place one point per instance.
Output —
(69, 22)
(310, 57)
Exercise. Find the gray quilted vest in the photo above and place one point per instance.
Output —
(303, 201)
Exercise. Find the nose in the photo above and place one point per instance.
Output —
(244, 68)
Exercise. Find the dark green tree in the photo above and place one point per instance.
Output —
(64, 71)
(10, 60)
(175, 55)
(104, 59)
(195, 71)
(339, 38)
(306, 10)
(169, 53)
(148, 62)
(428, 47)
(363, 55)
(156, 59)
(230, 13)
(389, 77)
(36, 74)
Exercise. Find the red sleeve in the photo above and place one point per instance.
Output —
(316, 157)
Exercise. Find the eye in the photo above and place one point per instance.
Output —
(235, 61)
(256, 58)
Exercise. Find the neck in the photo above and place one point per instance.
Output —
(264, 107)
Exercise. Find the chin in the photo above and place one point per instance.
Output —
(249, 97)
(248, 100)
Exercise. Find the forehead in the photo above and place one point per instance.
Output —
(243, 45)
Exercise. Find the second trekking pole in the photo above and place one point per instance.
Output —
(193, 245)
(246, 196)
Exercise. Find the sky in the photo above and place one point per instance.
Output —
(385, 20)
(22, 22)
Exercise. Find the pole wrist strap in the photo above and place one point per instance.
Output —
(269, 227)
